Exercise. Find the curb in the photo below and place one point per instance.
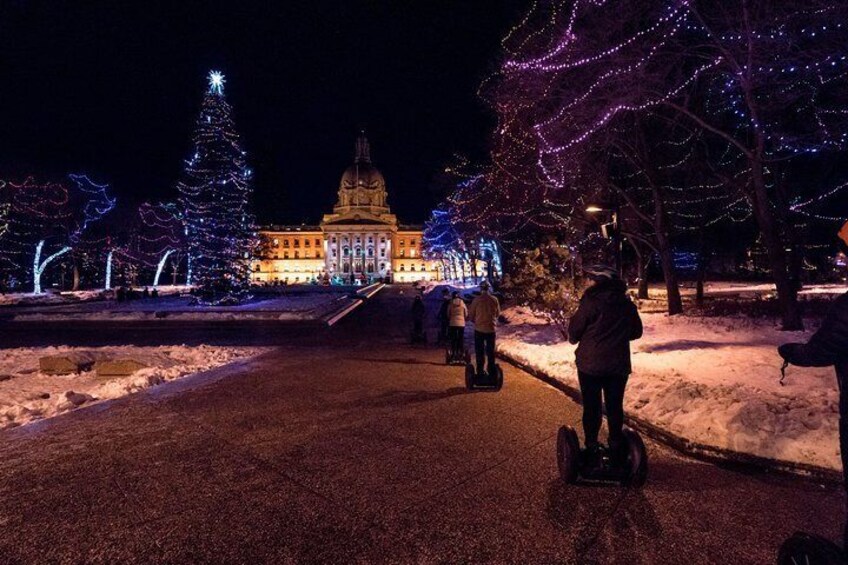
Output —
(745, 462)
(344, 312)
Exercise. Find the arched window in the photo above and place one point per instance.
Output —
(370, 251)
(346, 252)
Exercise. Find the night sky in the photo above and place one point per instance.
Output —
(112, 89)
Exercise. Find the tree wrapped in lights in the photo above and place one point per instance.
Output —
(45, 221)
(161, 238)
(759, 81)
(215, 191)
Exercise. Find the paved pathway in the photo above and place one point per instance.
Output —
(358, 447)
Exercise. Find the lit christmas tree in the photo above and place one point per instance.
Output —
(214, 194)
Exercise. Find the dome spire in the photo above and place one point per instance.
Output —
(363, 149)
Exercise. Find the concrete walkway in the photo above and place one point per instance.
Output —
(354, 446)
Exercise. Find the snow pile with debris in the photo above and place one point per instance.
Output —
(713, 381)
(27, 395)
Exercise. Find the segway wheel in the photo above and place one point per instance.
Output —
(568, 454)
(498, 377)
(803, 549)
(636, 460)
(469, 376)
(448, 357)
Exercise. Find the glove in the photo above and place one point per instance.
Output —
(787, 350)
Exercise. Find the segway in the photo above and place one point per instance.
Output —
(803, 549)
(459, 357)
(629, 468)
(486, 381)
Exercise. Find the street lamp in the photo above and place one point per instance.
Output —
(616, 231)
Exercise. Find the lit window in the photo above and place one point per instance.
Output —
(276, 241)
(285, 243)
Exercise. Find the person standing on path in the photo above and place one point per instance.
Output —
(417, 317)
(443, 317)
(457, 312)
(829, 346)
(604, 325)
(484, 313)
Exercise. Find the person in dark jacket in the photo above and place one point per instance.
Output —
(417, 316)
(829, 346)
(604, 325)
(442, 317)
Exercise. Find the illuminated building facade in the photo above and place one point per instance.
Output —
(360, 241)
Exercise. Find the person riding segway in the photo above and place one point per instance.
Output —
(443, 317)
(483, 313)
(605, 323)
(457, 312)
(828, 346)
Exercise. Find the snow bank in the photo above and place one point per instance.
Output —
(714, 381)
(27, 395)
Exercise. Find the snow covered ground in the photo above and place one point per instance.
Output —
(285, 307)
(27, 395)
(74, 297)
(714, 381)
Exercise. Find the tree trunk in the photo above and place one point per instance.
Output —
(642, 272)
(787, 294)
(675, 303)
(76, 277)
(672, 287)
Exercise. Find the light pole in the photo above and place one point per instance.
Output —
(616, 231)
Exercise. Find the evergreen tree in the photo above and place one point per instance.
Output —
(215, 192)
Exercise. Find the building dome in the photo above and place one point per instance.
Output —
(362, 174)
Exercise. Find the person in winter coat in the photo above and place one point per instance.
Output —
(484, 313)
(457, 313)
(442, 317)
(829, 346)
(605, 323)
(417, 316)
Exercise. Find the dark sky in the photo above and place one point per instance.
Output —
(112, 89)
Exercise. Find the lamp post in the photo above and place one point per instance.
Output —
(616, 230)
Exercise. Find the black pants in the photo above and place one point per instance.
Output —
(484, 345)
(612, 388)
(455, 335)
(842, 382)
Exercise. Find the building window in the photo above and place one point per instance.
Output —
(297, 254)
(285, 254)
(370, 239)
(412, 253)
(307, 242)
(403, 242)
(401, 268)
(411, 242)
(382, 240)
(370, 251)
(258, 268)
(382, 253)
(276, 241)
(403, 253)
(382, 266)
(334, 240)
(317, 242)
(346, 251)
(285, 243)
(317, 254)
(297, 243)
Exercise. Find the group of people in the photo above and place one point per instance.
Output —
(453, 316)
(123, 293)
(606, 321)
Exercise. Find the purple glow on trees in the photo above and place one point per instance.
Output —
(589, 92)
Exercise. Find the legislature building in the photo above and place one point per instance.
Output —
(360, 241)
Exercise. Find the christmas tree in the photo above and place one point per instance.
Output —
(214, 193)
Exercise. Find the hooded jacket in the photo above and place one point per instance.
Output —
(457, 312)
(828, 346)
(604, 324)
